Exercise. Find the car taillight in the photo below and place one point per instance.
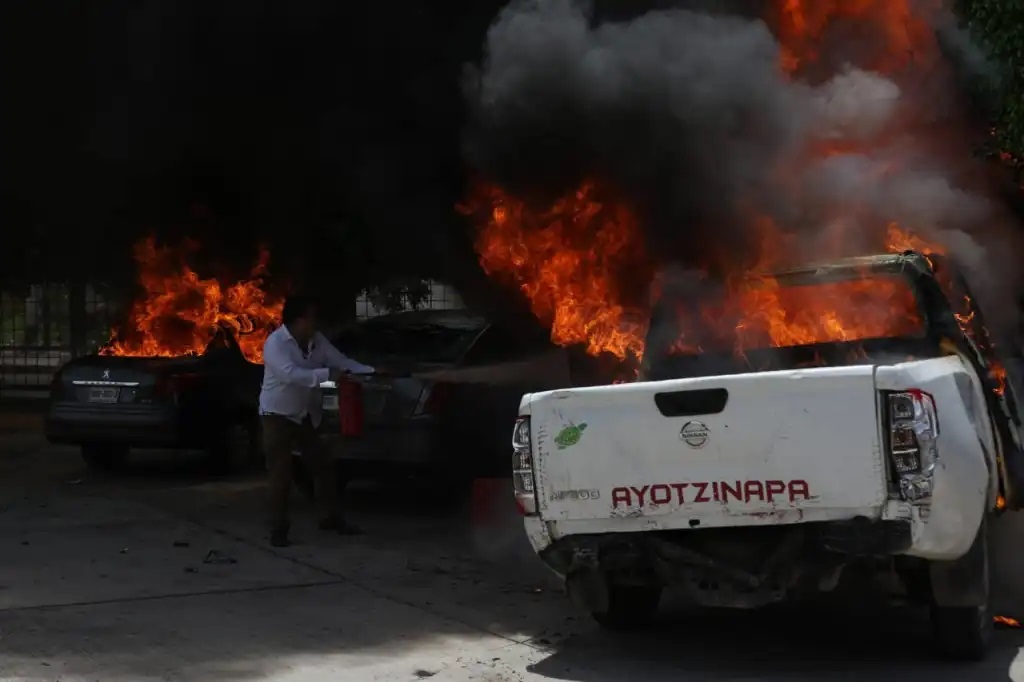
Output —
(433, 398)
(172, 384)
(165, 386)
(351, 419)
(437, 398)
(913, 429)
(522, 468)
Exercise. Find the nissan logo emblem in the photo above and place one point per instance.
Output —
(694, 434)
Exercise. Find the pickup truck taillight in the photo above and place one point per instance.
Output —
(912, 422)
(522, 468)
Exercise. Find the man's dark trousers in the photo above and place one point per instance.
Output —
(280, 436)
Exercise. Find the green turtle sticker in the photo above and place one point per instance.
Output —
(569, 436)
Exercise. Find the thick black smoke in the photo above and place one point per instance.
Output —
(679, 110)
(688, 116)
(328, 130)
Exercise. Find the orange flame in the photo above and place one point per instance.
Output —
(1006, 621)
(572, 259)
(566, 260)
(179, 312)
(902, 35)
(827, 312)
(899, 240)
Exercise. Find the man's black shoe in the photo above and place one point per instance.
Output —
(340, 527)
(279, 538)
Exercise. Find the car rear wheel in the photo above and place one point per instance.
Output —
(104, 457)
(236, 448)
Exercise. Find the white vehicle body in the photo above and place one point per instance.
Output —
(799, 446)
(886, 468)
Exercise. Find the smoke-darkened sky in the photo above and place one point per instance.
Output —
(285, 120)
(689, 116)
(337, 131)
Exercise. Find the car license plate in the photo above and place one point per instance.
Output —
(330, 402)
(104, 395)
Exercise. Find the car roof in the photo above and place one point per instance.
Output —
(845, 267)
(450, 318)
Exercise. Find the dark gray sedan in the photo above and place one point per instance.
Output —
(446, 409)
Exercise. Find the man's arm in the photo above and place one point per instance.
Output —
(339, 361)
(282, 358)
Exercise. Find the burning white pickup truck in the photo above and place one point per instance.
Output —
(752, 464)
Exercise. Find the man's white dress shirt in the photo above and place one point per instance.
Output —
(292, 375)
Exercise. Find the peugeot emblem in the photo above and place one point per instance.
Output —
(694, 434)
(106, 374)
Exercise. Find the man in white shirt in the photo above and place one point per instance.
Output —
(296, 360)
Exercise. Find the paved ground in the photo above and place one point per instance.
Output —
(105, 579)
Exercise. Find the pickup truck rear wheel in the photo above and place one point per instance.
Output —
(630, 607)
(104, 457)
(964, 633)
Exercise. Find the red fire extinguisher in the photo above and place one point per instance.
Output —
(350, 408)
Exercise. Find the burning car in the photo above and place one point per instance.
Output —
(108, 405)
(445, 413)
(786, 455)
(183, 371)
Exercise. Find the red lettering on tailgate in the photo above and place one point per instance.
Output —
(774, 488)
(661, 494)
(721, 491)
(799, 488)
(728, 490)
(621, 495)
(640, 492)
(751, 488)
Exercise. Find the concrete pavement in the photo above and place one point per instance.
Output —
(105, 579)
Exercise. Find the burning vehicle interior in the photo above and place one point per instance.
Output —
(700, 150)
(881, 311)
(182, 372)
(861, 310)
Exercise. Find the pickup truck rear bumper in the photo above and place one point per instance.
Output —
(640, 551)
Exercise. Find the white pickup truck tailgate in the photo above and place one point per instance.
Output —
(727, 450)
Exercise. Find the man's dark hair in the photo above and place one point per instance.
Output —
(298, 306)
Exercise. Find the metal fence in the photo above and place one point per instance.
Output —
(439, 297)
(44, 325)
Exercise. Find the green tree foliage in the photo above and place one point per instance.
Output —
(998, 27)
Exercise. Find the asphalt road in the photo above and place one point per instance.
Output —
(113, 579)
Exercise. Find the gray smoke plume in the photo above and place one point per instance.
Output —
(688, 115)
(678, 110)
